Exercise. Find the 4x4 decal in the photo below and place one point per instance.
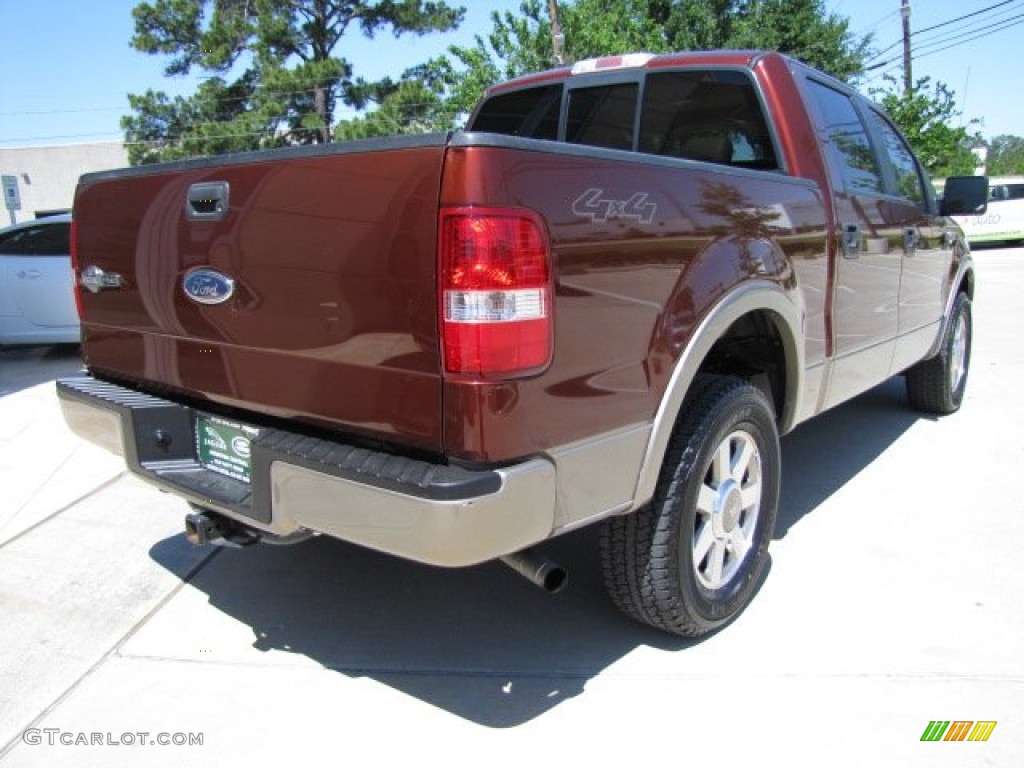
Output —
(591, 205)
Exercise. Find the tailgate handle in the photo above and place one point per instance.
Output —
(207, 201)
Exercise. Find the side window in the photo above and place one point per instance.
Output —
(48, 240)
(707, 115)
(904, 166)
(849, 147)
(1006, 192)
(10, 244)
(602, 116)
(531, 113)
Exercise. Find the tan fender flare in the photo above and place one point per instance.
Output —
(754, 296)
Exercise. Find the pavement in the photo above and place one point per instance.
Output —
(893, 599)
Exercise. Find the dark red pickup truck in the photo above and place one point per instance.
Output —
(603, 302)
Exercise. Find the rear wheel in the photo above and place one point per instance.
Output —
(690, 560)
(937, 385)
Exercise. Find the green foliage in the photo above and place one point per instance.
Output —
(415, 104)
(927, 117)
(216, 120)
(292, 78)
(519, 43)
(803, 29)
(1005, 156)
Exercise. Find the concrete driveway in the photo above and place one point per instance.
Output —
(24, 367)
(894, 599)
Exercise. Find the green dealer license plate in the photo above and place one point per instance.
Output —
(224, 446)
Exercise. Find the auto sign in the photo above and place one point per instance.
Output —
(207, 286)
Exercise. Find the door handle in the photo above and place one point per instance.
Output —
(851, 241)
(207, 201)
(29, 274)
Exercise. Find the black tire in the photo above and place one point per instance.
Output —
(937, 385)
(648, 556)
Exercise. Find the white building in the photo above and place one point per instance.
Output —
(46, 176)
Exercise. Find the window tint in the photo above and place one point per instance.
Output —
(49, 240)
(531, 113)
(705, 115)
(602, 116)
(1006, 192)
(44, 240)
(908, 179)
(10, 243)
(848, 142)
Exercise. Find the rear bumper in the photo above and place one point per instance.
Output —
(431, 513)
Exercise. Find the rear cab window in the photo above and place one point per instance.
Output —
(602, 116)
(532, 113)
(708, 114)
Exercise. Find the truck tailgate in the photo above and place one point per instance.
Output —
(331, 317)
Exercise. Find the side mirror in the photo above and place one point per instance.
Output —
(964, 195)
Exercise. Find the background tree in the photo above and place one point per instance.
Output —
(218, 119)
(292, 78)
(927, 116)
(1005, 156)
(414, 104)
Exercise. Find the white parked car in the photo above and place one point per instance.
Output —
(1003, 221)
(37, 302)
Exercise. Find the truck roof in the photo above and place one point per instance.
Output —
(638, 60)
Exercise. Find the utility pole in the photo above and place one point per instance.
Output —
(557, 38)
(908, 75)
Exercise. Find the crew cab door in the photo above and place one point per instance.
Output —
(867, 257)
(926, 250)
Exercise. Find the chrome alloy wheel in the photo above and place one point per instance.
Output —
(728, 504)
(958, 353)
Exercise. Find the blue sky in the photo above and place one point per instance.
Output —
(69, 63)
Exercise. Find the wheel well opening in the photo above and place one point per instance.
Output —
(752, 349)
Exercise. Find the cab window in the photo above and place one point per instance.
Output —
(531, 113)
(849, 148)
(901, 159)
(708, 115)
(602, 116)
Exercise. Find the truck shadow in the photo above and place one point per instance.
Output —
(820, 456)
(482, 643)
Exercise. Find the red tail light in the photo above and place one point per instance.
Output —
(76, 286)
(495, 292)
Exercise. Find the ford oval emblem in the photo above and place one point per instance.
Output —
(207, 286)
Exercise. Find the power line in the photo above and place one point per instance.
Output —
(987, 30)
(997, 27)
(978, 37)
(187, 130)
(975, 26)
(881, 21)
(899, 42)
(259, 91)
(961, 18)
